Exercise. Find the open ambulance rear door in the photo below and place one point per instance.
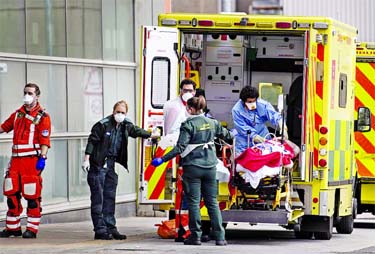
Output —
(159, 77)
(364, 141)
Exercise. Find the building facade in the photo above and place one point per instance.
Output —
(84, 56)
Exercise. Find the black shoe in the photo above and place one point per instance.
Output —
(192, 241)
(205, 238)
(221, 242)
(103, 236)
(28, 234)
(7, 233)
(179, 240)
(117, 236)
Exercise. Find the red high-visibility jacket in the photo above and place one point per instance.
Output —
(31, 130)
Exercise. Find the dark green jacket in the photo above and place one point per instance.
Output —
(199, 130)
(99, 140)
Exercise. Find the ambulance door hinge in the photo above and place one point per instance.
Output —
(144, 52)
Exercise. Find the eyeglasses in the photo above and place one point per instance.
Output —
(120, 112)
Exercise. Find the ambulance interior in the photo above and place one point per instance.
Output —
(222, 63)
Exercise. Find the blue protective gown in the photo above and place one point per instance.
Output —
(253, 121)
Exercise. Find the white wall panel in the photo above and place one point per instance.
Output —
(358, 13)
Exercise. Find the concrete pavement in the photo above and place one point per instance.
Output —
(62, 237)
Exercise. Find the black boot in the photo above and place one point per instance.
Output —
(28, 234)
(103, 236)
(8, 233)
(117, 235)
(192, 241)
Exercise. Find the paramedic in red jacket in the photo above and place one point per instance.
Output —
(31, 127)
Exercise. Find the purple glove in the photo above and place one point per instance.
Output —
(41, 163)
(157, 162)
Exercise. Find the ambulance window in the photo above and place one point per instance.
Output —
(160, 81)
(342, 90)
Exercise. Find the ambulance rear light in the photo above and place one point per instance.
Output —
(323, 141)
(264, 25)
(370, 45)
(205, 23)
(223, 24)
(322, 162)
(184, 22)
(169, 22)
(322, 152)
(303, 25)
(320, 25)
(315, 200)
(323, 130)
(283, 25)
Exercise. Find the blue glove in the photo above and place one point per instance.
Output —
(157, 162)
(41, 163)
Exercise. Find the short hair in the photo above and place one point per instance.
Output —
(249, 92)
(187, 82)
(33, 85)
(198, 103)
(121, 102)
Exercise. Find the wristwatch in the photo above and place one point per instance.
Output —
(44, 156)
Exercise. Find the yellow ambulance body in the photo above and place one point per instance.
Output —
(364, 141)
(314, 55)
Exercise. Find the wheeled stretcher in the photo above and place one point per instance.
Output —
(262, 175)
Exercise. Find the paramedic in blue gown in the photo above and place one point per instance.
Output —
(196, 147)
(250, 115)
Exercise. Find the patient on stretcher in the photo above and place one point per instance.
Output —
(266, 159)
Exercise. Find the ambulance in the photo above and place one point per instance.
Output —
(364, 141)
(309, 62)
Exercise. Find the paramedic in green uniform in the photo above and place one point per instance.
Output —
(198, 159)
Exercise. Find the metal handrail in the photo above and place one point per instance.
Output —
(4, 138)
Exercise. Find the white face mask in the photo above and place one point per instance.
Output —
(28, 99)
(119, 117)
(251, 105)
(187, 96)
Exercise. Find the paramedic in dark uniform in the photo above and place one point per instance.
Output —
(107, 144)
(196, 147)
(31, 127)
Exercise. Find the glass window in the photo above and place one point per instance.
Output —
(342, 90)
(109, 30)
(160, 80)
(78, 187)
(12, 26)
(45, 27)
(12, 83)
(84, 29)
(125, 33)
(55, 176)
(85, 92)
(51, 79)
(118, 34)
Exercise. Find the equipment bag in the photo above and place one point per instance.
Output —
(166, 229)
